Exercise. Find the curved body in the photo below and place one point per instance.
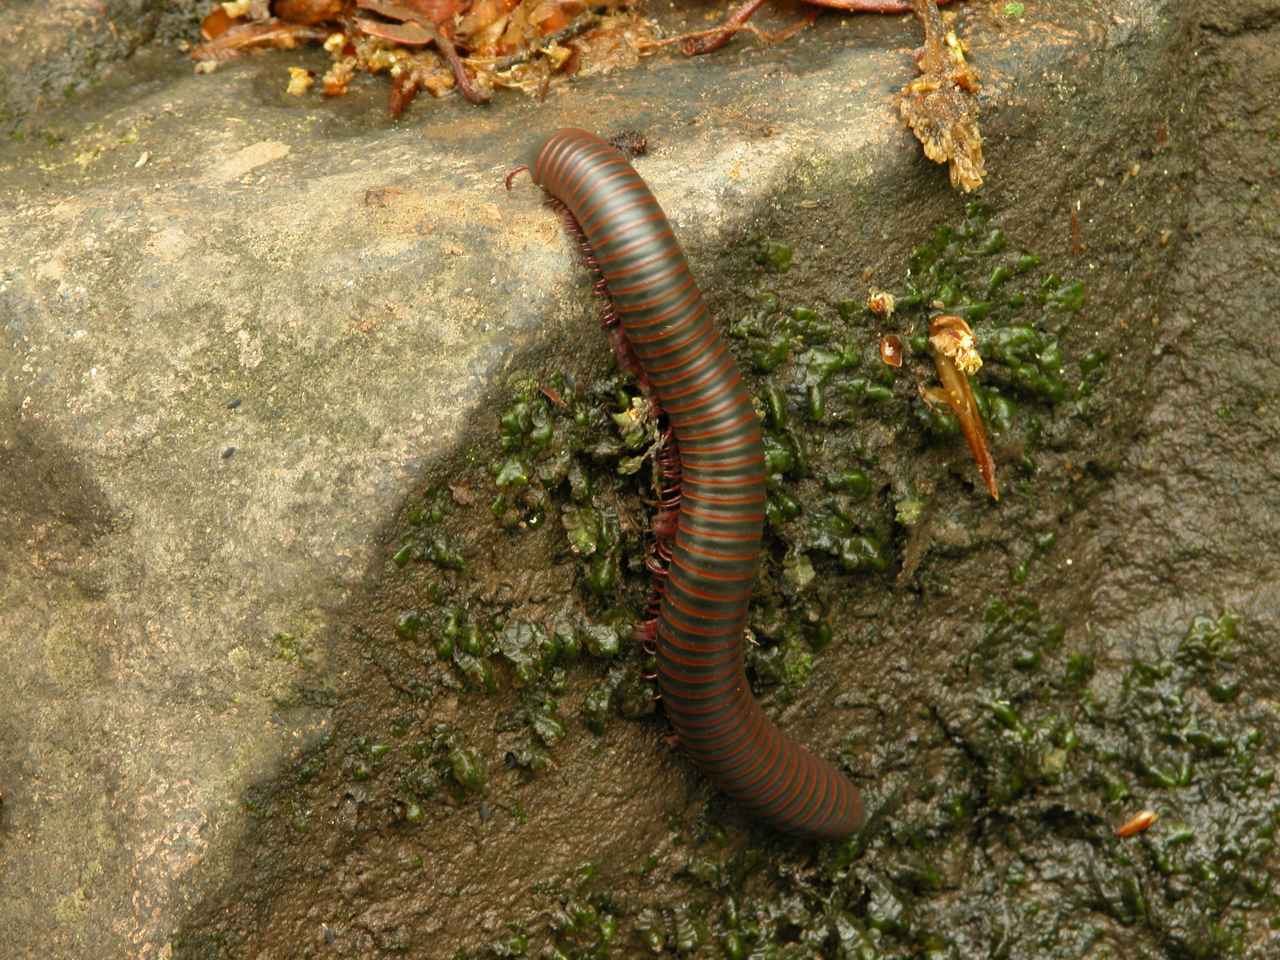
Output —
(715, 550)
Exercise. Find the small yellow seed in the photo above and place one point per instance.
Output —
(300, 81)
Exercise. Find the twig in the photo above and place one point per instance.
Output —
(695, 46)
(578, 27)
(443, 42)
(644, 46)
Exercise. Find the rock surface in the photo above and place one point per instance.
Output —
(240, 328)
(58, 51)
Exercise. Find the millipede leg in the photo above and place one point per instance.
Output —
(523, 168)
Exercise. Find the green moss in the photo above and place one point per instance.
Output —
(787, 665)
(467, 769)
(512, 472)
(775, 255)
(778, 455)
(993, 809)
(601, 574)
(909, 511)
(475, 670)
(527, 649)
(601, 640)
(1050, 753)
(291, 649)
(1062, 295)
(854, 482)
(842, 536)
(596, 706)
(408, 625)
(797, 570)
(585, 529)
(547, 728)
(768, 355)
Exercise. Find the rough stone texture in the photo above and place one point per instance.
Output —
(226, 367)
(56, 51)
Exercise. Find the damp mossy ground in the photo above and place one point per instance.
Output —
(1003, 844)
(993, 834)
(858, 468)
(513, 581)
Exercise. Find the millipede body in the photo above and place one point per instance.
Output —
(687, 367)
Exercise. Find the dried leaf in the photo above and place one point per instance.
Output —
(891, 349)
(247, 9)
(405, 34)
(951, 343)
(338, 78)
(939, 105)
(216, 23)
(427, 12)
(256, 34)
(484, 24)
(881, 303)
(437, 11)
(1138, 823)
(403, 90)
(308, 11)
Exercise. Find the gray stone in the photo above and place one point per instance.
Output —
(239, 327)
(56, 52)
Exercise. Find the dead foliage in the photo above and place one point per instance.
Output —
(941, 105)
(432, 45)
(476, 46)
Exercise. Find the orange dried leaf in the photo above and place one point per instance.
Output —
(438, 82)
(403, 90)
(484, 25)
(216, 23)
(572, 63)
(1138, 823)
(952, 337)
(552, 15)
(951, 343)
(300, 81)
(405, 34)
(256, 34)
(307, 11)
(483, 14)
(940, 106)
(437, 11)
(338, 78)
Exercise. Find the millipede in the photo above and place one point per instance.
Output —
(710, 521)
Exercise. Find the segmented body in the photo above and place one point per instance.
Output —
(717, 539)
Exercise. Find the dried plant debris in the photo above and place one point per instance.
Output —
(706, 41)
(955, 355)
(226, 37)
(476, 46)
(940, 105)
(433, 45)
(1140, 822)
